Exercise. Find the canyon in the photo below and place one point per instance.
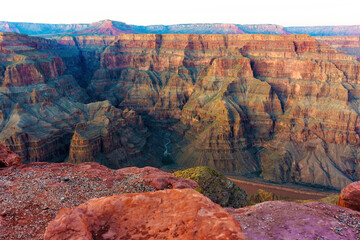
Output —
(280, 107)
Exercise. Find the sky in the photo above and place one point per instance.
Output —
(166, 12)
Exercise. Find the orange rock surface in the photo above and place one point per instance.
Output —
(169, 214)
(32, 194)
(350, 196)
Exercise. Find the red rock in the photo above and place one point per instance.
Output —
(289, 220)
(350, 196)
(169, 214)
(8, 158)
(32, 194)
(158, 179)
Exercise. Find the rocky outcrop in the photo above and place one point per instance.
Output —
(8, 158)
(350, 196)
(287, 220)
(41, 189)
(111, 137)
(215, 186)
(169, 214)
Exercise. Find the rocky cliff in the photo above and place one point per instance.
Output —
(347, 44)
(284, 108)
(44, 110)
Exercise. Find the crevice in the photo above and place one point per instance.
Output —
(82, 78)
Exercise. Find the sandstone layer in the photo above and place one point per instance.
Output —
(288, 220)
(169, 214)
(347, 44)
(245, 103)
(45, 114)
(32, 194)
(350, 196)
(284, 108)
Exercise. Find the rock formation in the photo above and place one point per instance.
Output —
(288, 220)
(246, 103)
(347, 44)
(215, 186)
(277, 107)
(169, 214)
(44, 111)
(32, 194)
(8, 158)
(350, 196)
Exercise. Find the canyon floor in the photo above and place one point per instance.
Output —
(290, 191)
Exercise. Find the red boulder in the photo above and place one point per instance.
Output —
(350, 196)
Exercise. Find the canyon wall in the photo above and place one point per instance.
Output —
(284, 108)
(46, 115)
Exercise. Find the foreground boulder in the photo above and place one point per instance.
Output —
(215, 186)
(32, 194)
(350, 196)
(289, 220)
(169, 214)
(8, 158)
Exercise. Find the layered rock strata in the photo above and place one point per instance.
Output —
(44, 110)
(279, 107)
(246, 103)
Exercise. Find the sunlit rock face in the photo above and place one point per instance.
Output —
(281, 107)
(350, 196)
(32, 194)
(284, 106)
(168, 214)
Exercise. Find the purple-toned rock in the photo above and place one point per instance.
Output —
(289, 220)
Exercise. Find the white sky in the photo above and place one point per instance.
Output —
(149, 12)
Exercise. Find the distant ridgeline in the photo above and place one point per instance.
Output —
(108, 27)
